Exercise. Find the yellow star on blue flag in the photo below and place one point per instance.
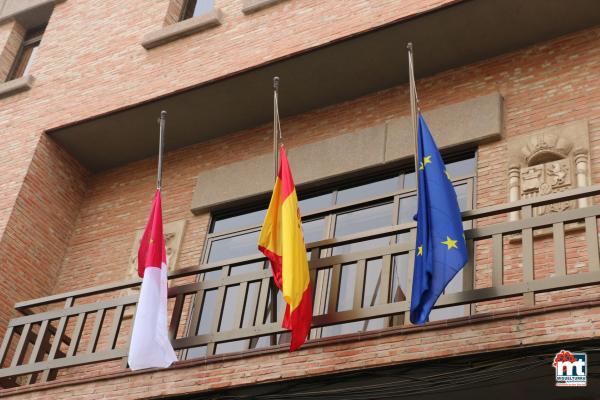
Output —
(441, 249)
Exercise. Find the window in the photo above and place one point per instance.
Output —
(348, 208)
(194, 8)
(27, 54)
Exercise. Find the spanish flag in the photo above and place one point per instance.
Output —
(282, 241)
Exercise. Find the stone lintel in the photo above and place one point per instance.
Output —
(183, 28)
(466, 123)
(14, 86)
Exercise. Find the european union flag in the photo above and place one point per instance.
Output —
(440, 248)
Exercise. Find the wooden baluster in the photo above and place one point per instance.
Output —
(176, 317)
(96, 331)
(527, 247)
(591, 238)
(558, 230)
(36, 355)
(21, 346)
(115, 327)
(410, 274)
(219, 302)
(359, 285)
(8, 336)
(334, 292)
(74, 346)
(497, 260)
(50, 374)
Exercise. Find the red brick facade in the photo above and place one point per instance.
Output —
(77, 227)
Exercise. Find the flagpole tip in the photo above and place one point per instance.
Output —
(163, 114)
(409, 46)
(275, 83)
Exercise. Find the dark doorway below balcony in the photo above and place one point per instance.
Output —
(524, 373)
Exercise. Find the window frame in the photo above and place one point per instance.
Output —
(330, 214)
(33, 39)
(185, 9)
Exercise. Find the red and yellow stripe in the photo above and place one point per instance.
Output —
(282, 241)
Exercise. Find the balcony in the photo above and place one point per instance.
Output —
(519, 263)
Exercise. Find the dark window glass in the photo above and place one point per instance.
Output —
(399, 284)
(314, 203)
(347, 279)
(363, 220)
(233, 247)
(372, 283)
(208, 312)
(231, 299)
(367, 190)
(460, 168)
(194, 8)
(313, 230)
(239, 221)
(27, 54)
(246, 268)
(408, 209)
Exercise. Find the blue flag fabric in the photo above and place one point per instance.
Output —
(441, 250)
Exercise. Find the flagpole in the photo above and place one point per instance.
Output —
(161, 144)
(275, 124)
(414, 109)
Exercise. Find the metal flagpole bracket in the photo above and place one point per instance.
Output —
(161, 144)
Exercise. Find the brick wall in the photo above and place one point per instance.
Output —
(91, 62)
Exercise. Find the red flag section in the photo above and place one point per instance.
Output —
(152, 247)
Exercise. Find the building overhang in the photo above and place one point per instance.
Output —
(444, 38)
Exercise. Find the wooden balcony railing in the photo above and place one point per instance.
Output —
(48, 337)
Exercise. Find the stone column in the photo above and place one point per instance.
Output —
(581, 173)
(514, 176)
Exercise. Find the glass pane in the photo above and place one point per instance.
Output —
(233, 247)
(368, 190)
(372, 283)
(231, 298)
(361, 246)
(196, 352)
(454, 286)
(314, 203)
(195, 8)
(409, 181)
(408, 209)
(313, 230)
(251, 304)
(239, 221)
(230, 347)
(462, 195)
(347, 283)
(278, 307)
(399, 284)
(322, 290)
(461, 168)
(208, 312)
(246, 268)
(31, 59)
(212, 275)
(261, 342)
(363, 220)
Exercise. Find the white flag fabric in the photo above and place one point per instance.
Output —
(150, 346)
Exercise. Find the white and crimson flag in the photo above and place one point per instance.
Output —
(150, 346)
